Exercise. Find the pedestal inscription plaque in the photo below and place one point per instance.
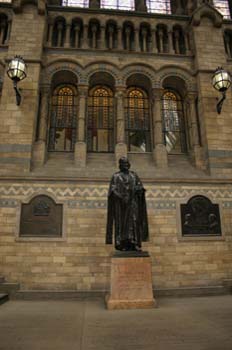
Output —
(131, 283)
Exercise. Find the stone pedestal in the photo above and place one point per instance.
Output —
(131, 282)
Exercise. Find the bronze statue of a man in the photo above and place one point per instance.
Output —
(126, 209)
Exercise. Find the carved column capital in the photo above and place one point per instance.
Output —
(83, 90)
(120, 91)
(157, 94)
(191, 97)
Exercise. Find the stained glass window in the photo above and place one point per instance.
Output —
(62, 133)
(76, 3)
(173, 122)
(137, 121)
(100, 132)
(159, 6)
(223, 7)
(118, 4)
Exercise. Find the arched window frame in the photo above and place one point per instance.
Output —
(159, 6)
(173, 119)
(126, 5)
(135, 128)
(63, 126)
(101, 121)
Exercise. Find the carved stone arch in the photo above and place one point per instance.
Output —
(209, 11)
(145, 70)
(102, 67)
(42, 192)
(56, 66)
(174, 71)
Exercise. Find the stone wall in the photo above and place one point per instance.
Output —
(80, 260)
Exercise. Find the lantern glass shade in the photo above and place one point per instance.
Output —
(221, 80)
(17, 69)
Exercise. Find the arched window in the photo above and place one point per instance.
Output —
(76, 3)
(137, 121)
(159, 6)
(223, 7)
(173, 122)
(62, 133)
(127, 5)
(100, 133)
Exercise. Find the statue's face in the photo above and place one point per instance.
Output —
(124, 165)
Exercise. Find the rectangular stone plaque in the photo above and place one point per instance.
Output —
(131, 283)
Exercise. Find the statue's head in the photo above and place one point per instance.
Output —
(124, 164)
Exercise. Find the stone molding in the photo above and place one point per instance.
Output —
(119, 76)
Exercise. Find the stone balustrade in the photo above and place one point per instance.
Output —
(136, 34)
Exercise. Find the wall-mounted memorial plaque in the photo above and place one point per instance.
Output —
(200, 217)
(41, 217)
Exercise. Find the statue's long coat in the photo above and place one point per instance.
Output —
(126, 210)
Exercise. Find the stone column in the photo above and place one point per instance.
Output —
(144, 39)
(119, 39)
(137, 46)
(140, 5)
(59, 36)
(67, 35)
(198, 151)
(159, 153)
(94, 4)
(102, 38)
(80, 146)
(2, 32)
(170, 43)
(176, 38)
(186, 43)
(161, 40)
(50, 33)
(121, 147)
(85, 41)
(128, 33)
(227, 42)
(40, 148)
(77, 35)
(111, 31)
(94, 36)
(8, 31)
(154, 41)
(179, 9)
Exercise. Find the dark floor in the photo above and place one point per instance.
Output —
(203, 323)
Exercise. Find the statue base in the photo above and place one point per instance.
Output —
(131, 282)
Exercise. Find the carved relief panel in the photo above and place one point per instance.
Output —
(41, 217)
(200, 217)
